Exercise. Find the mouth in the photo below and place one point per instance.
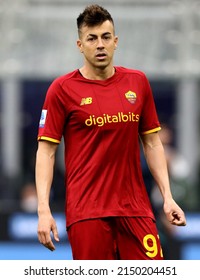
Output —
(101, 56)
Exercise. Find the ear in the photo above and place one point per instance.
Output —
(79, 45)
(116, 41)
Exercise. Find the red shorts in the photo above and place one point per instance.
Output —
(115, 238)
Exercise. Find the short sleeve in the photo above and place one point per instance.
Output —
(53, 115)
(149, 119)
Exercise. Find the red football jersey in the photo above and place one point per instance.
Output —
(101, 122)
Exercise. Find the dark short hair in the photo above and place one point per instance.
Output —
(93, 15)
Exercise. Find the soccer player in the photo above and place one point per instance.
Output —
(103, 111)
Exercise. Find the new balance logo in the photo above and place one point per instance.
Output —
(86, 101)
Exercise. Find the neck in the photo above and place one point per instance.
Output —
(97, 73)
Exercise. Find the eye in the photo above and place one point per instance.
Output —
(91, 39)
(106, 37)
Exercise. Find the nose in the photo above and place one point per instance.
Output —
(100, 43)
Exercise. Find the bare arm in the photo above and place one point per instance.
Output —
(155, 157)
(45, 160)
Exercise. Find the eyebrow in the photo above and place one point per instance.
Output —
(94, 35)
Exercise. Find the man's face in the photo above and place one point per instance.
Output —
(98, 44)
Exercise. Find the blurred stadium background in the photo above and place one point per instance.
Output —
(38, 43)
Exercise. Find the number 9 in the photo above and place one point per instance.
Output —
(150, 245)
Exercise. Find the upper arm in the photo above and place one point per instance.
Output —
(150, 140)
(48, 148)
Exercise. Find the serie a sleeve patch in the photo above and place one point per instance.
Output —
(43, 118)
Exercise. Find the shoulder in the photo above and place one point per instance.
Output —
(59, 86)
(130, 71)
(59, 81)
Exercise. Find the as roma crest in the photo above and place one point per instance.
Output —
(131, 96)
